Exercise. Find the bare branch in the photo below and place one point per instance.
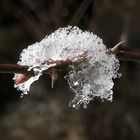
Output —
(124, 54)
(13, 68)
(117, 48)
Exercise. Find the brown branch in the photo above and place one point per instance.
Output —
(80, 12)
(13, 68)
(62, 64)
(124, 54)
(23, 69)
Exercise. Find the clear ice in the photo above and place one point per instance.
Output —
(91, 78)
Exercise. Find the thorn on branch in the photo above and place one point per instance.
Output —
(124, 54)
(54, 76)
(21, 79)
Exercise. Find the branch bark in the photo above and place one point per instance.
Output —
(62, 64)
(123, 54)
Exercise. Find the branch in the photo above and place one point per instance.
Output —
(62, 64)
(124, 54)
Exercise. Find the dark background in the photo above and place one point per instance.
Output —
(44, 113)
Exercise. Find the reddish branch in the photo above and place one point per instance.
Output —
(13, 68)
(129, 54)
(62, 64)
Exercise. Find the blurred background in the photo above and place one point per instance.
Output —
(44, 114)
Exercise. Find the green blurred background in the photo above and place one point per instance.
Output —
(44, 113)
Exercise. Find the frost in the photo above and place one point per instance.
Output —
(89, 79)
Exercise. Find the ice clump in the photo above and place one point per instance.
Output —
(91, 78)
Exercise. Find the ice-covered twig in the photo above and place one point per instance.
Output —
(92, 66)
(62, 64)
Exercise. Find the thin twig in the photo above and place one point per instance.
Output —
(13, 68)
(124, 54)
(62, 64)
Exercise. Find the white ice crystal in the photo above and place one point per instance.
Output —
(89, 79)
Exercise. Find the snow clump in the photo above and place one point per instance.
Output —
(89, 79)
